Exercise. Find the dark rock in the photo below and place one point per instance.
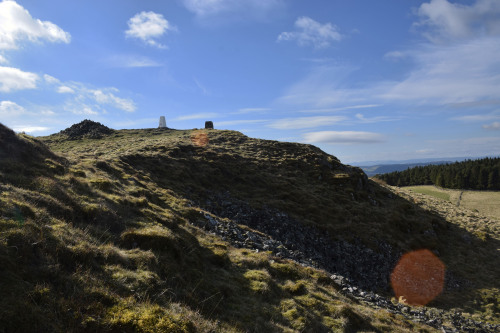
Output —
(87, 129)
(209, 125)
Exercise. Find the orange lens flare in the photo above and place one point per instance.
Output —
(200, 138)
(418, 277)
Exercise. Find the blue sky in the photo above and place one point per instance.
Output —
(364, 80)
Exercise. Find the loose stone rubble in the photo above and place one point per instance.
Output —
(87, 129)
(357, 270)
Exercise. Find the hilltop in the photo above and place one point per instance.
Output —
(210, 230)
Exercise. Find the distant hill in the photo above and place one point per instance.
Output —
(163, 230)
(373, 170)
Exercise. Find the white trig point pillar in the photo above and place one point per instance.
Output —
(163, 123)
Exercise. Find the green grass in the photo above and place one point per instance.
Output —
(100, 239)
(432, 191)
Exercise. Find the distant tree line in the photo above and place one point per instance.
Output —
(482, 174)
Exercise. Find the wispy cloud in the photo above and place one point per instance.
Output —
(148, 27)
(108, 97)
(18, 25)
(343, 137)
(206, 8)
(476, 146)
(424, 151)
(204, 115)
(323, 88)
(252, 110)
(451, 74)
(30, 129)
(495, 126)
(3, 60)
(12, 79)
(441, 21)
(87, 100)
(305, 122)
(310, 32)
(11, 109)
(479, 117)
(131, 61)
(376, 119)
(344, 108)
(65, 90)
(202, 88)
(240, 122)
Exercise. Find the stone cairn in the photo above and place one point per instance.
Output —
(163, 123)
(209, 125)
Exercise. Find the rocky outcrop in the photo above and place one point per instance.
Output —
(87, 129)
(359, 271)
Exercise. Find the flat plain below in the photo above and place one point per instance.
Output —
(485, 202)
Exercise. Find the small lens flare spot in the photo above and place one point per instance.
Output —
(418, 277)
(200, 138)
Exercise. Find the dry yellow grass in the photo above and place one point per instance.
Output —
(485, 202)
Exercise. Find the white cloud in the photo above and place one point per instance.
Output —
(50, 79)
(306, 122)
(149, 26)
(343, 137)
(30, 129)
(464, 72)
(81, 109)
(204, 8)
(479, 117)
(200, 86)
(240, 122)
(311, 32)
(11, 109)
(3, 60)
(443, 21)
(495, 126)
(371, 120)
(132, 61)
(424, 151)
(197, 116)
(395, 55)
(107, 97)
(344, 108)
(252, 110)
(65, 90)
(12, 79)
(18, 25)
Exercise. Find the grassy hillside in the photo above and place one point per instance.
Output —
(137, 230)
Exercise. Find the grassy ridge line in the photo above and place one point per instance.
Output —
(87, 243)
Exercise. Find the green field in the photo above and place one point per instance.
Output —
(485, 202)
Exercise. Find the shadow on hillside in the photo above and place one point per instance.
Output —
(371, 220)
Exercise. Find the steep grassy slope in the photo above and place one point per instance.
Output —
(103, 235)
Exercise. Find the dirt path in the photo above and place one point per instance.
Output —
(459, 198)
